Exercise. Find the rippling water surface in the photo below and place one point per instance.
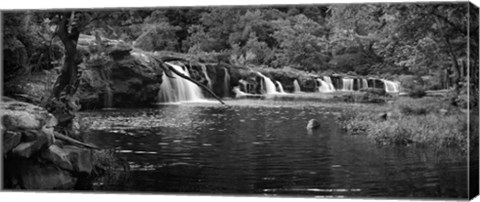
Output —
(264, 148)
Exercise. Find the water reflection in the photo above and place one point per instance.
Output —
(265, 150)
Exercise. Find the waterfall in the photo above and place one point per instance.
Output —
(108, 99)
(347, 84)
(178, 89)
(267, 85)
(296, 87)
(391, 86)
(108, 96)
(329, 82)
(226, 83)
(324, 87)
(364, 83)
(280, 87)
(209, 81)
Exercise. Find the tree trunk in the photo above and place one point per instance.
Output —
(456, 69)
(68, 77)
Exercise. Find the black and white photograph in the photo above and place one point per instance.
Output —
(361, 100)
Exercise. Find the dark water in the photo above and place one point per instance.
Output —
(207, 148)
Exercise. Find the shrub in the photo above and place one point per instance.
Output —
(413, 85)
(432, 129)
(422, 106)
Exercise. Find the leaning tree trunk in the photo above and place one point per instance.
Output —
(64, 107)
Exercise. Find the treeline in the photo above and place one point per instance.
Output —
(413, 38)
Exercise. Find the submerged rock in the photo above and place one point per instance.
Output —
(382, 116)
(313, 124)
(80, 158)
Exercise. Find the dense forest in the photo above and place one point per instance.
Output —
(432, 42)
(420, 39)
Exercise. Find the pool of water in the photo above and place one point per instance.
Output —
(264, 149)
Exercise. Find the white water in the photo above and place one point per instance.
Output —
(226, 83)
(391, 86)
(347, 84)
(329, 82)
(178, 89)
(324, 87)
(280, 87)
(108, 97)
(209, 81)
(296, 87)
(364, 83)
(268, 87)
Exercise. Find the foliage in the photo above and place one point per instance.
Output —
(411, 121)
(157, 37)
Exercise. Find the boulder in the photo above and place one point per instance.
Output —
(10, 140)
(45, 177)
(382, 116)
(132, 79)
(34, 141)
(57, 156)
(18, 115)
(313, 124)
(80, 158)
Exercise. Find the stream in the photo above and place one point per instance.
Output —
(264, 149)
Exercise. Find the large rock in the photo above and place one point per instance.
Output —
(18, 115)
(45, 177)
(57, 156)
(128, 81)
(313, 124)
(80, 158)
(32, 141)
(10, 140)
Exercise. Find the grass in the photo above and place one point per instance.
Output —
(425, 121)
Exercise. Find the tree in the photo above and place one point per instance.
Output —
(302, 42)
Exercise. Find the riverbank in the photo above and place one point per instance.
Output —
(407, 121)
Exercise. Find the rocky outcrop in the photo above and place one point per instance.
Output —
(122, 78)
(34, 155)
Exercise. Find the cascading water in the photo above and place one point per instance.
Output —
(329, 83)
(364, 83)
(226, 83)
(268, 87)
(178, 89)
(296, 87)
(347, 84)
(108, 97)
(280, 87)
(209, 81)
(391, 86)
(324, 87)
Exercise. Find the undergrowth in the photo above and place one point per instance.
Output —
(425, 121)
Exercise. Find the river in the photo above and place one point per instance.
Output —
(264, 149)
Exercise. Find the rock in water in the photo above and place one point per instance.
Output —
(313, 124)
(382, 116)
